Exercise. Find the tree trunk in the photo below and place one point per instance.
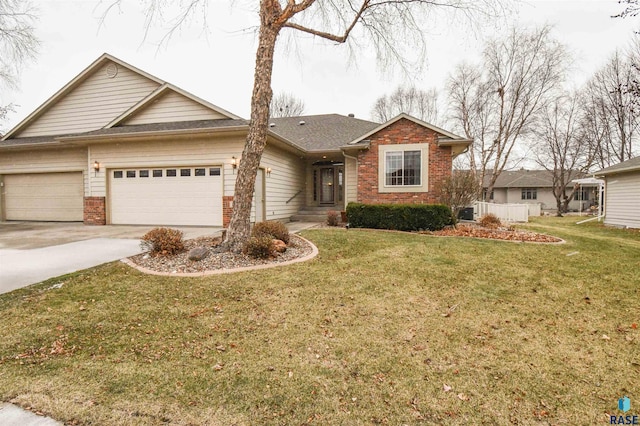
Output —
(239, 228)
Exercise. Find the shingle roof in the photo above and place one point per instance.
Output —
(625, 166)
(321, 132)
(525, 179)
(132, 129)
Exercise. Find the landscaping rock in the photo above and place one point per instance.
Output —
(198, 253)
(279, 246)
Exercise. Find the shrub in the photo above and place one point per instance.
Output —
(260, 247)
(162, 241)
(401, 217)
(490, 220)
(332, 218)
(273, 229)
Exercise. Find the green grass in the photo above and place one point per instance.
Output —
(369, 332)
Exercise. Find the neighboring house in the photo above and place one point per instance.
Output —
(622, 193)
(117, 145)
(536, 186)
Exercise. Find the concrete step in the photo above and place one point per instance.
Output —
(309, 217)
(321, 208)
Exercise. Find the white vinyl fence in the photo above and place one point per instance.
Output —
(506, 212)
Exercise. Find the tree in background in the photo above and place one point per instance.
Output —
(18, 43)
(497, 102)
(391, 27)
(422, 104)
(611, 117)
(286, 105)
(559, 146)
(458, 191)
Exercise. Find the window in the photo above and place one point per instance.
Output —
(157, 173)
(171, 172)
(131, 173)
(144, 173)
(185, 172)
(529, 193)
(484, 195)
(214, 171)
(582, 194)
(402, 168)
(315, 185)
(117, 174)
(200, 172)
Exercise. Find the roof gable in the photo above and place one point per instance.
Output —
(101, 92)
(169, 103)
(108, 92)
(445, 134)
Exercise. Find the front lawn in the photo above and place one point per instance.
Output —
(380, 328)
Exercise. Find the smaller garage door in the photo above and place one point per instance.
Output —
(44, 196)
(166, 196)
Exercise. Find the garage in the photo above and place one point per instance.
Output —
(166, 196)
(44, 196)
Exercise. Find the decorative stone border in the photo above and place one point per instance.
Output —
(314, 253)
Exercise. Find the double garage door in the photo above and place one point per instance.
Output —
(44, 196)
(166, 196)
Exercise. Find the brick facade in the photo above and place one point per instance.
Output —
(95, 212)
(227, 208)
(402, 131)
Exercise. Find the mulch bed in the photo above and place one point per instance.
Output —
(500, 233)
(180, 263)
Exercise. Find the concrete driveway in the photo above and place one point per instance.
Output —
(31, 252)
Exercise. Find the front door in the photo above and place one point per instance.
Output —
(327, 190)
(259, 196)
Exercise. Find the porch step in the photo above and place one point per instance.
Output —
(314, 214)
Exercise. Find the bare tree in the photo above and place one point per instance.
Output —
(612, 111)
(561, 148)
(17, 43)
(631, 10)
(497, 102)
(286, 105)
(390, 26)
(422, 104)
(458, 191)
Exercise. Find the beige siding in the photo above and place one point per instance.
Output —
(285, 180)
(622, 200)
(93, 103)
(351, 180)
(173, 107)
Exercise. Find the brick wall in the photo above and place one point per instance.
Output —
(227, 208)
(95, 212)
(402, 132)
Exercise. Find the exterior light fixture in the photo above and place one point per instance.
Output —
(234, 162)
(96, 166)
(268, 171)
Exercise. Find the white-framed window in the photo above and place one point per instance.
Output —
(529, 193)
(403, 167)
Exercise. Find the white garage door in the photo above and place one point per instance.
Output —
(44, 196)
(166, 196)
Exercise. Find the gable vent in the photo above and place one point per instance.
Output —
(302, 122)
(272, 124)
(111, 70)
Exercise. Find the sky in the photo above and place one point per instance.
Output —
(216, 63)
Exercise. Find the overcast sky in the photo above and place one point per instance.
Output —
(217, 64)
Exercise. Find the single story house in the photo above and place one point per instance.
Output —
(622, 193)
(117, 145)
(536, 187)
